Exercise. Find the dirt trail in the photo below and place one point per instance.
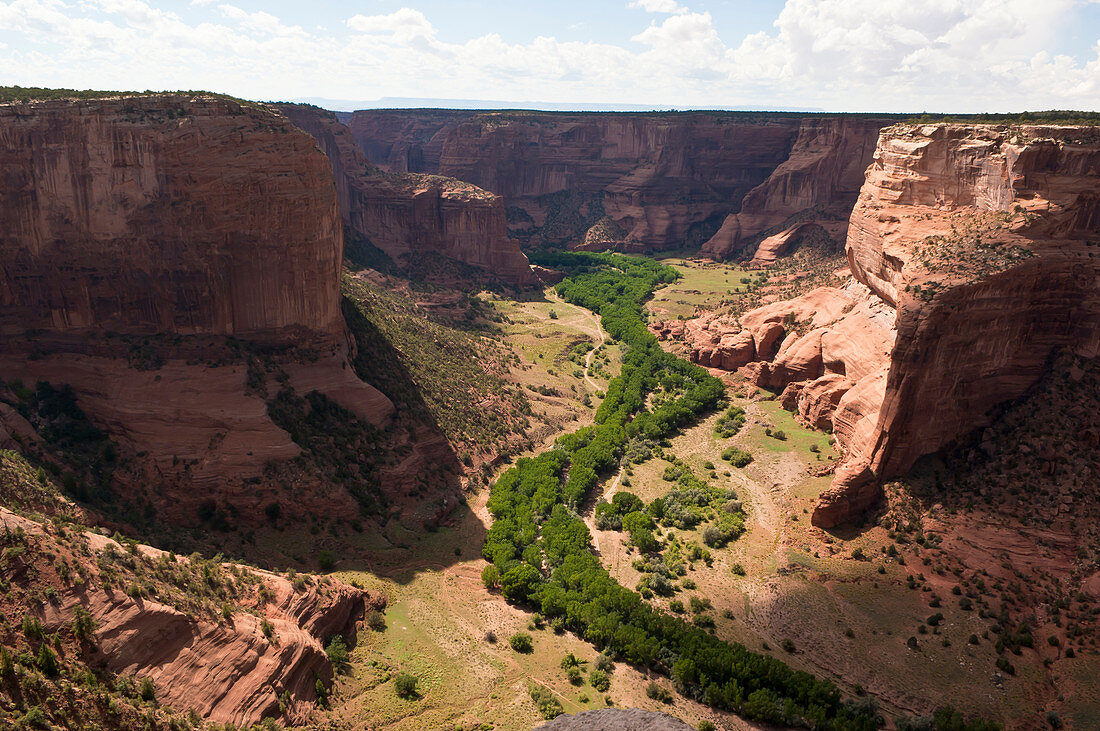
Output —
(596, 331)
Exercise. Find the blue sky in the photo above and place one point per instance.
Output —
(841, 55)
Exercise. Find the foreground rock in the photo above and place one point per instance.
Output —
(615, 719)
(410, 216)
(972, 251)
(231, 643)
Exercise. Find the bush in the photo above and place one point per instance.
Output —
(47, 661)
(658, 693)
(706, 726)
(405, 685)
(780, 435)
(337, 653)
(599, 680)
(736, 457)
(490, 577)
(376, 621)
(738, 569)
(32, 628)
(548, 705)
(521, 642)
(148, 691)
(573, 674)
(326, 559)
(83, 623)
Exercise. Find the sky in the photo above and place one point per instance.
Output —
(839, 55)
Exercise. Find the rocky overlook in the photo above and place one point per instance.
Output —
(971, 251)
(663, 179)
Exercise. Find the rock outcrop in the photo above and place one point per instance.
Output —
(665, 180)
(820, 180)
(150, 618)
(973, 254)
(408, 215)
(150, 248)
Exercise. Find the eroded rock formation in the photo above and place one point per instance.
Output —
(263, 660)
(409, 215)
(662, 180)
(973, 256)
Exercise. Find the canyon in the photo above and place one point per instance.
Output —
(637, 182)
(971, 255)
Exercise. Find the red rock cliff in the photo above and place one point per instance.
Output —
(973, 250)
(663, 178)
(409, 215)
(175, 220)
(165, 214)
(823, 174)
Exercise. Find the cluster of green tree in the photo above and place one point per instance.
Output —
(542, 549)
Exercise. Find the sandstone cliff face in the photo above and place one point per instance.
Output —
(823, 174)
(165, 214)
(972, 250)
(663, 178)
(410, 215)
(184, 225)
(667, 180)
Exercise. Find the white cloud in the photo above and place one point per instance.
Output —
(402, 25)
(663, 6)
(888, 55)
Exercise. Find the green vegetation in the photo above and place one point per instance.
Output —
(548, 705)
(521, 642)
(543, 549)
(730, 422)
(405, 685)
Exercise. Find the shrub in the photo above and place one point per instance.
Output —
(490, 577)
(548, 705)
(599, 680)
(148, 691)
(47, 660)
(738, 569)
(706, 726)
(658, 693)
(268, 629)
(736, 457)
(326, 559)
(787, 644)
(83, 624)
(573, 674)
(780, 435)
(376, 621)
(337, 653)
(7, 664)
(491, 637)
(521, 642)
(32, 628)
(405, 685)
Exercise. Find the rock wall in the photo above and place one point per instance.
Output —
(667, 180)
(973, 254)
(662, 178)
(179, 226)
(820, 179)
(165, 214)
(411, 215)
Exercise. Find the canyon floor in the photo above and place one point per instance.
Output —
(907, 610)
